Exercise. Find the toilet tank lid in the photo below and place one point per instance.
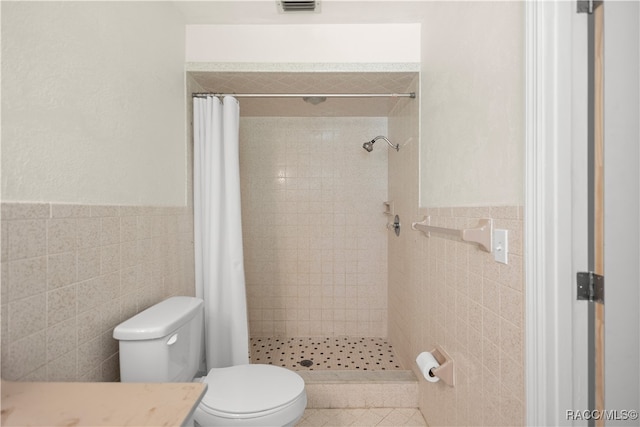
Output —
(159, 320)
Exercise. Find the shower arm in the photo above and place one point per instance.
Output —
(397, 146)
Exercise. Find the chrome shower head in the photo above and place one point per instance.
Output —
(369, 144)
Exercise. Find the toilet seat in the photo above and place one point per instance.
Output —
(250, 391)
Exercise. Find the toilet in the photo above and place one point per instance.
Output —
(163, 344)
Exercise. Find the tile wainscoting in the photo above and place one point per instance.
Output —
(456, 295)
(71, 273)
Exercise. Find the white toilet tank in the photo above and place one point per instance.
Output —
(162, 343)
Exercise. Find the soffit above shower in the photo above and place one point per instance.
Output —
(305, 83)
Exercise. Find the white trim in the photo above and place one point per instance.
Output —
(536, 409)
(549, 376)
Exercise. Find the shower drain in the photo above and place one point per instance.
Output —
(306, 363)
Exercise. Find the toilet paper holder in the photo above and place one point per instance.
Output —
(445, 370)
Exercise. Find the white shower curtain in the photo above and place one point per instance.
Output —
(218, 230)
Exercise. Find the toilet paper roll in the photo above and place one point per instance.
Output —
(426, 362)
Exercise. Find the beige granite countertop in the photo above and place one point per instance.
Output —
(98, 404)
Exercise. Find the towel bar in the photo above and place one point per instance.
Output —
(482, 234)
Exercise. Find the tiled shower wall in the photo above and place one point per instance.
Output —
(71, 273)
(315, 239)
(449, 293)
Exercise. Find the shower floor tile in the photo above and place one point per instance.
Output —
(334, 353)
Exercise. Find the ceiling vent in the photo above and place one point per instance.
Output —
(286, 6)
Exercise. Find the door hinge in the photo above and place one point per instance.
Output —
(587, 6)
(590, 287)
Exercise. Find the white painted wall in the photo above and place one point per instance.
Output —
(472, 99)
(326, 43)
(93, 107)
(93, 103)
(472, 84)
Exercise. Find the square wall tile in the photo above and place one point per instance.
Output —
(71, 273)
(312, 205)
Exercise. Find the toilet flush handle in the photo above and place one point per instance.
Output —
(173, 339)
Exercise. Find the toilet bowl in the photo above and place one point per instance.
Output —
(163, 344)
(252, 395)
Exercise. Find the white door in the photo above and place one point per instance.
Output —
(622, 212)
(610, 390)
(556, 208)
(607, 381)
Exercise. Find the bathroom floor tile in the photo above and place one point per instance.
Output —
(398, 417)
(333, 353)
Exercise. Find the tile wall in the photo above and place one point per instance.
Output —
(315, 239)
(71, 273)
(449, 293)
(478, 317)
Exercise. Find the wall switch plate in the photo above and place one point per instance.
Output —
(501, 246)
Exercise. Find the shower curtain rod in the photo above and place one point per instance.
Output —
(309, 95)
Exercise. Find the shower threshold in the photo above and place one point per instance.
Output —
(333, 353)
